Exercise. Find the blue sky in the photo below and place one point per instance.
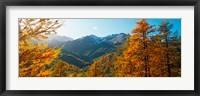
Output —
(76, 28)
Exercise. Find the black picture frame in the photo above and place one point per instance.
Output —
(4, 3)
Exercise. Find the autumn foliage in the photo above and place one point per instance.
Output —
(149, 51)
(33, 58)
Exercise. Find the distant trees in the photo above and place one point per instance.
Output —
(64, 69)
(103, 66)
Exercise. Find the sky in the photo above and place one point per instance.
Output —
(77, 28)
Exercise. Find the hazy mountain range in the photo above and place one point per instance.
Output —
(53, 40)
(81, 52)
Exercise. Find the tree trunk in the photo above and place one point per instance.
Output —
(95, 70)
(146, 71)
(167, 55)
(145, 58)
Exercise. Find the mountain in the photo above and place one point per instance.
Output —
(53, 40)
(83, 51)
(115, 38)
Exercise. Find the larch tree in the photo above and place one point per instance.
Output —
(165, 31)
(158, 68)
(135, 58)
(175, 54)
(171, 42)
(34, 57)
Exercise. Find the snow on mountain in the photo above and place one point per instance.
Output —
(57, 40)
(96, 39)
(114, 38)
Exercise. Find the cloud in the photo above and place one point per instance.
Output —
(95, 28)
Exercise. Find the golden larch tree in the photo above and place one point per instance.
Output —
(34, 57)
(135, 58)
(172, 46)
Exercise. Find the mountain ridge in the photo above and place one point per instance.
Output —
(83, 51)
(90, 47)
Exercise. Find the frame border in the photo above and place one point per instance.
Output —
(4, 3)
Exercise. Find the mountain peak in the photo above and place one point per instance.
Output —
(95, 38)
(53, 40)
(60, 38)
(90, 47)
